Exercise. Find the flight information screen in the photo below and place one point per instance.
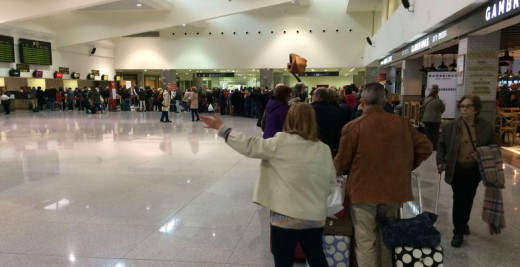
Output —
(6, 49)
(35, 52)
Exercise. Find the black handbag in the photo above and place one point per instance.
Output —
(415, 232)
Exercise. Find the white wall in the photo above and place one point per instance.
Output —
(265, 50)
(404, 26)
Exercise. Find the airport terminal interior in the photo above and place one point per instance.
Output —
(119, 188)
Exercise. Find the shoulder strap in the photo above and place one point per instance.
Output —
(426, 104)
(470, 136)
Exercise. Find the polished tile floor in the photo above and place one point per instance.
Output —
(122, 189)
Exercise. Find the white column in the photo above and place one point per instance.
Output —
(480, 70)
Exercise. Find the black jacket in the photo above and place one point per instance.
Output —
(330, 122)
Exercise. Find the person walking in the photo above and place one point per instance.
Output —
(292, 187)
(378, 151)
(194, 103)
(165, 105)
(6, 102)
(456, 154)
(432, 107)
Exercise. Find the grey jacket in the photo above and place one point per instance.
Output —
(450, 138)
(432, 108)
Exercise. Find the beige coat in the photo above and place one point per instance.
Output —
(194, 100)
(296, 175)
(166, 101)
(378, 151)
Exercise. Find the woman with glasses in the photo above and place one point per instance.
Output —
(456, 154)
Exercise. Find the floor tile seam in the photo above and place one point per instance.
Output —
(182, 208)
(56, 256)
(242, 236)
(10, 216)
(179, 261)
(200, 193)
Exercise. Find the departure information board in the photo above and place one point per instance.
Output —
(35, 52)
(6, 49)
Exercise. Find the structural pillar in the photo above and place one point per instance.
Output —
(411, 81)
(370, 75)
(480, 71)
(391, 79)
(197, 81)
(281, 78)
(140, 80)
(167, 76)
(266, 78)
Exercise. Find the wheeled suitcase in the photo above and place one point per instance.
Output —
(337, 240)
(412, 257)
(337, 250)
(405, 256)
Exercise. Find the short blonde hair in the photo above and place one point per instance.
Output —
(301, 120)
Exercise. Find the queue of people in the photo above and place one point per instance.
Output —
(295, 188)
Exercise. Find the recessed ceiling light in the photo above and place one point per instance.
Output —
(138, 4)
(184, 25)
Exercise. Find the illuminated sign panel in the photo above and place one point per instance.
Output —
(386, 60)
(439, 36)
(422, 44)
(500, 8)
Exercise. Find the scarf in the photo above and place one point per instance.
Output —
(492, 173)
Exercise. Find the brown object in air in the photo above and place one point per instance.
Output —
(296, 64)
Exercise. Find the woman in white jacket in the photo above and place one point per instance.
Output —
(296, 176)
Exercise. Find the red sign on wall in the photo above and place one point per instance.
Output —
(381, 77)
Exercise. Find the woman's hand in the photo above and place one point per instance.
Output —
(440, 168)
(213, 122)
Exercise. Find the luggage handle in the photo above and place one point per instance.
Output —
(416, 176)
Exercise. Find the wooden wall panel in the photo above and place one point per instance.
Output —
(87, 83)
(54, 83)
(15, 83)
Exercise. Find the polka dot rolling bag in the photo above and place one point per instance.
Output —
(338, 231)
(424, 251)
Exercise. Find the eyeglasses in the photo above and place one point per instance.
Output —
(466, 106)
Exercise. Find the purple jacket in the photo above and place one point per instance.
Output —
(275, 114)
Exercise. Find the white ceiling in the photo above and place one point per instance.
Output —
(120, 6)
(74, 22)
(363, 5)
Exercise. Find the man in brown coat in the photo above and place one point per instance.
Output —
(378, 151)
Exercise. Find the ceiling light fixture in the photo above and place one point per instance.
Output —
(506, 58)
(138, 4)
(432, 68)
(442, 67)
(184, 25)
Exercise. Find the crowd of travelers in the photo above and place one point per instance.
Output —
(353, 132)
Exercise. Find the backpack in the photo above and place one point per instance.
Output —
(160, 97)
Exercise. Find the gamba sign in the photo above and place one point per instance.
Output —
(500, 8)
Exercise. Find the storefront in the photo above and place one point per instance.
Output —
(473, 54)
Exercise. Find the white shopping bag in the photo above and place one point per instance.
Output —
(335, 200)
(210, 108)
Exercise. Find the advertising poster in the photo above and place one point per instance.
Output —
(447, 82)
